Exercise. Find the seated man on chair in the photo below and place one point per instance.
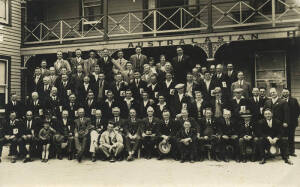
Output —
(229, 131)
(207, 134)
(111, 142)
(271, 132)
(132, 134)
(248, 137)
(186, 138)
(99, 124)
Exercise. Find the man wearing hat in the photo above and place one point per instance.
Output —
(271, 133)
(186, 138)
(248, 137)
(229, 131)
(207, 133)
(179, 100)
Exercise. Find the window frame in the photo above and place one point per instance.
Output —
(7, 21)
(7, 61)
(89, 22)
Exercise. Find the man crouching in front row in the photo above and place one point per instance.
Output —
(111, 142)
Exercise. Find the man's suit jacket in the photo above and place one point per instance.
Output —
(71, 109)
(35, 127)
(15, 128)
(231, 78)
(133, 127)
(107, 110)
(165, 89)
(35, 85)
(35, 108)
(107, 68)
(236, 107)
(52, 79)
(105, 86)
(294, 111)
(231, 129)
(65, 130)
(58, 65)
(246, 88)
(280, 109)
(125, 108)
(74, 63)
(169, 129)
(182, 134)
(43, 94)
(224, 83)
(83, 92)
(207, 92)
(53, 106)
(142, 109)
(99, 125)
(256, 108)
(89, 108)
(207, 129)
(18, 108)
(137, 88)
(77, 81)
(62, 91)
(153, 127)
(158, 111)
(138, 64)
(177, 104)
(181, 68)
(275, 131)
(123, 87)
(82, 127)
(89, 65)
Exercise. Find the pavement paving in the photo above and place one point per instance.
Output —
(150, 173)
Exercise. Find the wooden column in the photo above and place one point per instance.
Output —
(209, 16)
(105, 19)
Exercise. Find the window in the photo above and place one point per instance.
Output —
(3, 83)
(92, 10)
(4, 11)
(267, 8)
(270, 69)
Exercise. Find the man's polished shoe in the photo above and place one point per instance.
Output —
(263, 161)
(159, 157)
(192, 161)
(287, 161)
(25, 160)
(59, 157)
(79, 159)
(0, 160)
(226, 160)
(93, 159)
(182, 161)
(112, 159)
(13, 160)
(293, 154)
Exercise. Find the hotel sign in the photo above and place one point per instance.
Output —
(211, 39)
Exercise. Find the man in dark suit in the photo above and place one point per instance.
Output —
(239, 103)
(35, 105)
(30, 136)
(132, 134)
(72, 105)
(293, 119)
(137, 85)
(229, 131)
(161, 106)
(218, 103)
(167, 134)
(181, 65)
(197, 106)
(149, 132)
(106, 65)
(101, 87)
(207, 85)
(64, 135)
(90, 105)
(118, 121)
(186, 138)
(207, 133)
(99, 126)
(279, 107)
(231, 74)
(14, 105)
(44, 89)
(190, 85)
(36, 80)
(248, 137)
(77, 78)
(144, 104)
(262, 94)
(256, 104)
(13, 130)
(82, 131)
(179, 100)
(168, 86)
(53, 103)
(153, 88)
(271, 133)
(109, 104)
(128, 103)
(118, 87)
(223, 81)
(84, 89)
(64, 87)
(138, 60)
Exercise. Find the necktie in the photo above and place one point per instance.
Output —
(28, 124)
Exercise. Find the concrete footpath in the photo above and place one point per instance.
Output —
(150, 173)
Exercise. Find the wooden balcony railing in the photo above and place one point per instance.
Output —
(203, 18)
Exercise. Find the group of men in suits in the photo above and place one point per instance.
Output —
(114, 109)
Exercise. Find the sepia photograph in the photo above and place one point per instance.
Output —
(141, 93)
